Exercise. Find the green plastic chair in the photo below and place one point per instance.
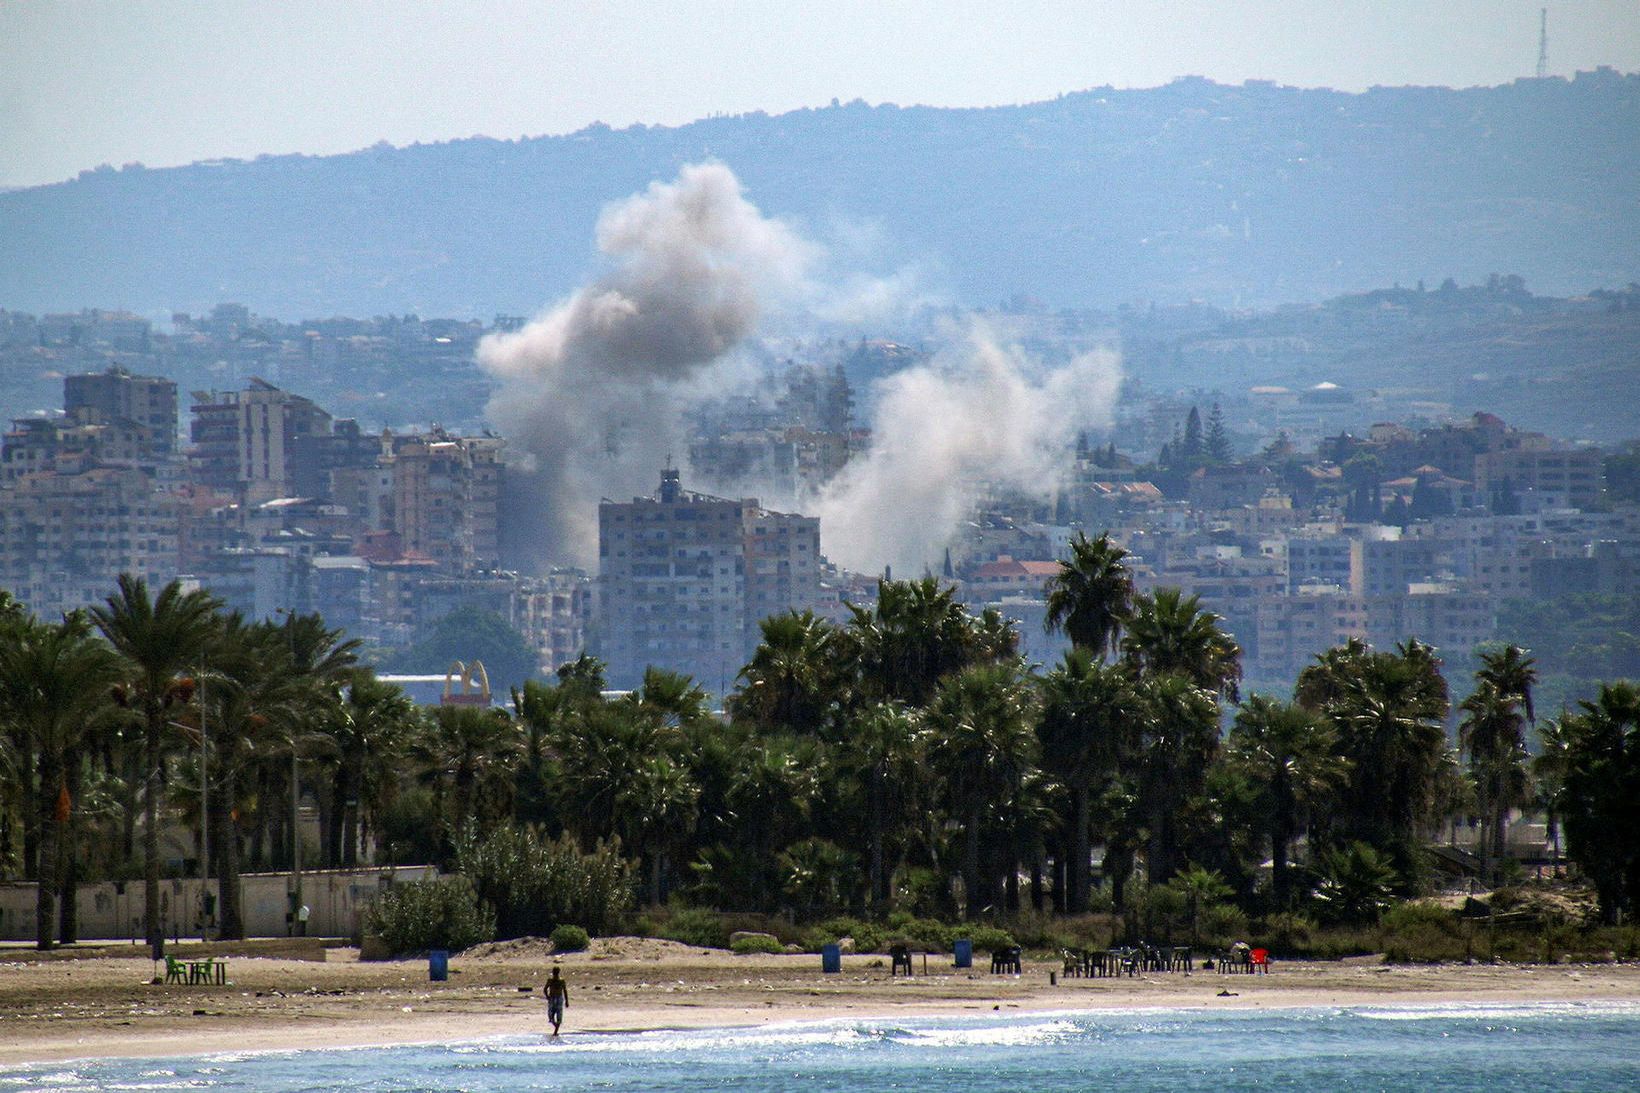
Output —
(175, 972)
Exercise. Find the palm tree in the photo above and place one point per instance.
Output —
(365, 738)
(1170, 632)
(593, 755)
(774, 784)
(1201, 889)
(1087, 732)
(468, 754)
(914, 636)
(1493, 733)
(982, 739)
(253, 703)
(157, 638)
(1388, 710)
(321, 663)
(1549, 769)
(1600, 795)
(1287, 754)
(655, 811)
(673, 699)
(1395, 744)
(1512, 673)
(1091, 596)
(54, 680)
(794, 679)
(885, 746)
(1178, 740)
(1357, 882)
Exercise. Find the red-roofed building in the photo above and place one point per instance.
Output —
(1008, 577)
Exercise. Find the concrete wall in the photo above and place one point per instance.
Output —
(335, 898)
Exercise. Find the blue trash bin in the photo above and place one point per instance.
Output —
(962, 950)
(438, 965)
(831, 959)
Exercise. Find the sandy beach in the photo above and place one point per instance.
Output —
(77, 1006)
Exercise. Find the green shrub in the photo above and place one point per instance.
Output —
(757, 943)
(816, 876)
(985, 938)
(1221, 925)
(434, 914)
(1418, 932)
(868, 936)
(1286, 933)
(922, 891)
(1419, 914)
(569, 939)
(693, 926)
(535, 884)
(924, 933)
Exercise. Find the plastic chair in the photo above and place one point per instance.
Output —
(1260, 961)
(899, 957)
(175, 972)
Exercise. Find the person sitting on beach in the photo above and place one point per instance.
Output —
(557, 998)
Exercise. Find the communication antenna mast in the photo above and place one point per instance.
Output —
(1543, 43)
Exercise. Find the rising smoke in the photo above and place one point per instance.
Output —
(592, 392)
(979, 414)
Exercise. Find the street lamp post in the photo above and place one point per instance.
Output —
(204, 813)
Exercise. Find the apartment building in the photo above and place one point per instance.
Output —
(446, 497)
(684, 579)
(65, 537)
(1574, 478)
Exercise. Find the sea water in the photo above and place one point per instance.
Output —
(1562, 1046)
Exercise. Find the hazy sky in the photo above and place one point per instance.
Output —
(168, 83)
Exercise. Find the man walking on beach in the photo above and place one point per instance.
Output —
(557, 998)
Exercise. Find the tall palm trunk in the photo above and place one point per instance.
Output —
(970, 865)
(225, 837)
(68, 929)
(128, 808)
(150, 832)
(1281, 837)
(1081, 848)
(348, 794)
(49, 870)
(1118, 865)
(31, 813)
(877, 882)
(330, 826)
(1499, 835)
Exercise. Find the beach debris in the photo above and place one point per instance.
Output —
(1229, 994)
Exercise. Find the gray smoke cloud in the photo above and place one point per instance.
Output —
(980, 413)
(591, 390)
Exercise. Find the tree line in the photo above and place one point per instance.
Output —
(907, 760)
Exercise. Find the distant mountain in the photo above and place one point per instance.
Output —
(1248, 195)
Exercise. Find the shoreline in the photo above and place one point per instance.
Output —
(64, 1010)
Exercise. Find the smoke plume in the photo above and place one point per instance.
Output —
(590, 390)
(979, 413)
